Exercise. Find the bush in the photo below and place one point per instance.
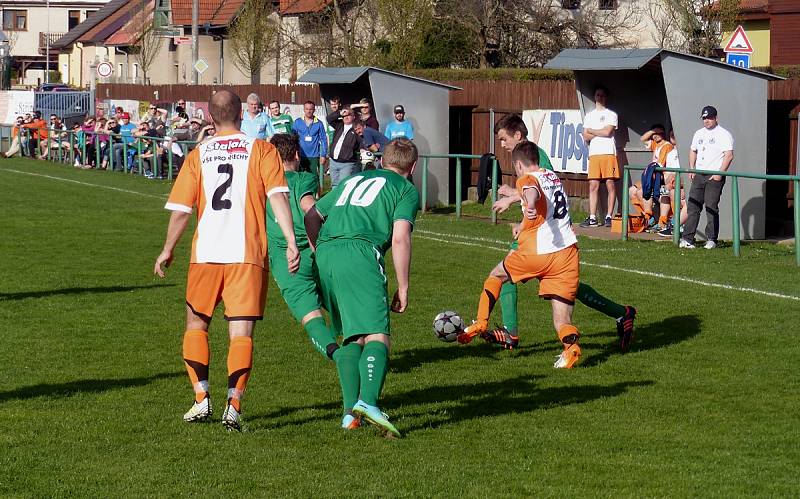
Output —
(784, 71)
(496, 74)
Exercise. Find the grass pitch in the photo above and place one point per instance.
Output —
(93, 386)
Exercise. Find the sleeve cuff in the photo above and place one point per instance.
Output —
(178, 207)
(276, 190)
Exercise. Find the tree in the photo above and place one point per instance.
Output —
(701, 23)
(147, 42)
(253, 38)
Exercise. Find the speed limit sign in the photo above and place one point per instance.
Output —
(105, 69)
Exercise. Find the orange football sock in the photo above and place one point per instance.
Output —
(196, 357)
(240, 361)
(568, 334)
(663, 220)
(491, 292)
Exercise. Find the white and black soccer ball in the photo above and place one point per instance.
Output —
(447, 326)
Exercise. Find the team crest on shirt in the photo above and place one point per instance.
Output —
(711, 140)
(231, 146)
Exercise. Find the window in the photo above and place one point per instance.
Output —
(74, 19)
(608, 4)
(571, 4)
(15, 20)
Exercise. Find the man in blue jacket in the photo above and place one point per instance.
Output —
(313, 139)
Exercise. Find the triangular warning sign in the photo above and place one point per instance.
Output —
(739, 43)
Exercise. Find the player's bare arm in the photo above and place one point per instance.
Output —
(727, 159)
(307, 202)
(531, 196)
(279, 202)
(401, 257)
(313, 222)
(178, 221)
(692, 162)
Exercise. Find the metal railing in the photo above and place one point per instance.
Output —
(66, 145)
(676, 205)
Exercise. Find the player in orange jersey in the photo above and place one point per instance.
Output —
(548, 251)
(229, 178)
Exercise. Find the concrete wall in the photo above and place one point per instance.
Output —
(427, 108)
(741, 100)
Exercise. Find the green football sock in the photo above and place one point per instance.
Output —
(373, 367)
(508, 306)
(320, 335)
(346, 359)
(592, 299)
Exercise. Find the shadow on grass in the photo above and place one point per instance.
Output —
(498, 398)
(78, 291)
(64, 390)
(669, 331)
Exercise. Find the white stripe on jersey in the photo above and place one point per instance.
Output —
(556, 232)
(224, 164)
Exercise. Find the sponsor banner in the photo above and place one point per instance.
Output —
(559, 133)
(14, 103)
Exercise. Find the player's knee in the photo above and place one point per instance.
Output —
(310, 316)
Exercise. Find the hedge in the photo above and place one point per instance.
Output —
(784, 71)
(495, 74)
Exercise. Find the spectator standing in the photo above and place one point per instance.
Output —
(313, 140)
(256, 124)
(344, 148)
(599, 126)
(155, 119)
(281, 123)
(712, 149)
(364, 109)
(335, 104)
(179, 123)
(399, 127)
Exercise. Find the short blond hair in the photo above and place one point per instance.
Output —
(400, 154)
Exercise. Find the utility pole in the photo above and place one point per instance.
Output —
(195, 33)
(47, 47)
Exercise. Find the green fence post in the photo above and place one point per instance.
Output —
(676, 210)
(424, 184)
(46, 143)
(169, 161)
(139, 155)
(124, 160)
(97, 161)
(625, 208)
(736, 222)
(72, 147)
(494, 189)
(458, 187)
(320, 171)
(154, 164)
(796, 223)
(110, 152)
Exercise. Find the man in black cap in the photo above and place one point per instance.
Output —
(712, 149)
(399, 127)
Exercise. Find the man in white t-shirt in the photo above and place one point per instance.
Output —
(712, 149)
(599, 126)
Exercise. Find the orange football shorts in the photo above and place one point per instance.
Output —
(241, 286)
(558, 273)
(603, 166)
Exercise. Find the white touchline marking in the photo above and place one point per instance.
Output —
(508, 242)
(620, 269)
(85, 183)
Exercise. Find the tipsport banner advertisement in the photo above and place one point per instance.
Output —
(559, 133)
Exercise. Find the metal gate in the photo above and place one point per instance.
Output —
(72, 107)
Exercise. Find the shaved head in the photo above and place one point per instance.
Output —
(225, 108)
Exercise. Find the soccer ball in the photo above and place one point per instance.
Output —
(447, 326)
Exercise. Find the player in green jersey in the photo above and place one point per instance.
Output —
(299, 290)
(511, 130)
(352, 228)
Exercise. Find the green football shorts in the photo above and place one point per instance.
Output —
(299, 291)
(353, 285)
